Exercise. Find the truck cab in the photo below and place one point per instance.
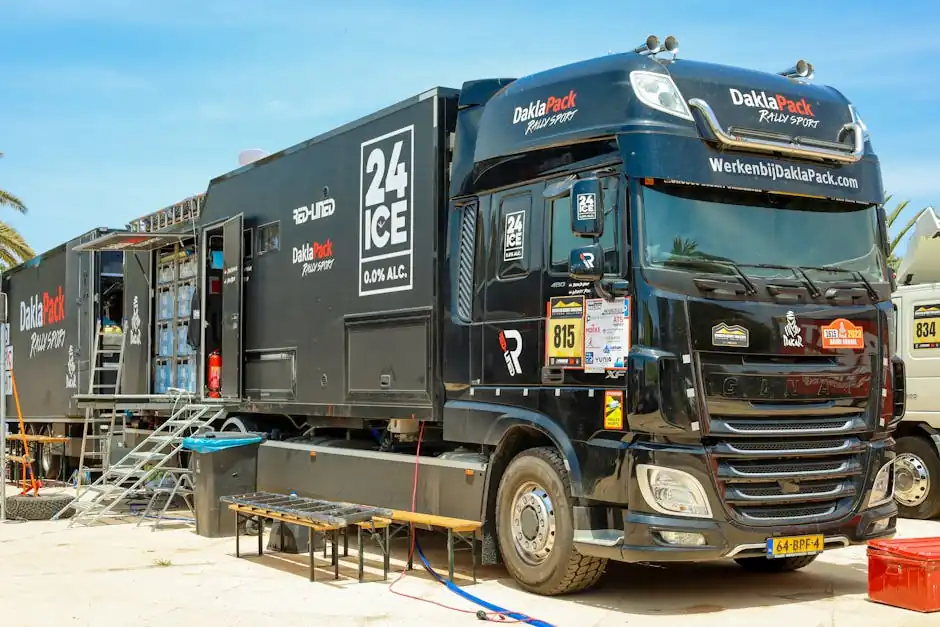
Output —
(917, 336)
(669, 284)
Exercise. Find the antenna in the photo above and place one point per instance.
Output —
(251, 155)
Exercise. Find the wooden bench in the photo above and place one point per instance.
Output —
(457, 529)
(373, 527)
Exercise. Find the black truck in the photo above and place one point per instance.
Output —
(632, 308)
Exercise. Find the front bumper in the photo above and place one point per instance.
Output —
(641, 539)
(636, 534)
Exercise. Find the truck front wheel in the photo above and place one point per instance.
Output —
(917, 478)
(535, 526)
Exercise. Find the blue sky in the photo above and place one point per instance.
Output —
(111, 109)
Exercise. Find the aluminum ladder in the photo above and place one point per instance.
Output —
(139, 466)
(98, 428)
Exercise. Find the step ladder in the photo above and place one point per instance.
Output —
(150, 459)
(105, 374)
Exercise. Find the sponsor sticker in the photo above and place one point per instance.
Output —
(511, 353)
(587, 206)
(315, 257)
(539, 114)
(776, 108)
(792, 333)
(386, 200)
(564, 332)
(731, 335)
(613, 409)
(514, 239)
(841, 333)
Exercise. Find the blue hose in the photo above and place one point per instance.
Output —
(460, 591)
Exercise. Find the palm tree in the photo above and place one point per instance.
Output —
(13, 248)
(893, 260)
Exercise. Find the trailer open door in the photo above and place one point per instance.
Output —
(221, 292)
(232, 292)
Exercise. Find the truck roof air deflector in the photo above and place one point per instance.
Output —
(796, 147)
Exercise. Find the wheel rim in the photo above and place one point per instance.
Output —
(911, 480)
(533, 523)
(48, 455)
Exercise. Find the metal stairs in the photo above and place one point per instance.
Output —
(135, 472)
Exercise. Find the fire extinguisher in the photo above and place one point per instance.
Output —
(215, 374)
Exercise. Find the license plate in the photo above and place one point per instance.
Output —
(794, 545)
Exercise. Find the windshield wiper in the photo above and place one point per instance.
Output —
(855, 273)
(814, 291)
(723, 263)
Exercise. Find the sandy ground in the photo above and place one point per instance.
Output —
(124, 575)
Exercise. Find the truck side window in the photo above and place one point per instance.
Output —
(514, 229)
(563, 240)
(247, 243)
(269, 238)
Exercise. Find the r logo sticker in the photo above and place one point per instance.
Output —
(841, 333)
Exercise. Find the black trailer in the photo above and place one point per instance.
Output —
(526, 277)
(54, 301)
(334, 260)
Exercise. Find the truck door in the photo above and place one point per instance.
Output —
(232, 263)
(513, 306)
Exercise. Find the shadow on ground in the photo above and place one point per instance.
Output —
(687, 589)
(652, 590)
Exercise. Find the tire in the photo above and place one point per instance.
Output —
(778, 565)
(558, 568)
(917, 478)
(42, 507)
(50, 456)
(239, 424)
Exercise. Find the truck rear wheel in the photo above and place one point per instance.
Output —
(535, 526)
(917, 478)
(776, 565)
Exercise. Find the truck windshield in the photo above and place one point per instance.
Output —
(685, 223)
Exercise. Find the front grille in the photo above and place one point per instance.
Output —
(787, 435)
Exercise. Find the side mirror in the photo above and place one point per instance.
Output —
(587, 208)
(586, 263)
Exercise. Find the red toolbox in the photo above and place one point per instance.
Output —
(905, 573)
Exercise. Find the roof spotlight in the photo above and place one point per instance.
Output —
(672, 44)
(651, 46)
(802, 69)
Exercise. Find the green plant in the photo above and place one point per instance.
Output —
(13, 248)
(896, 239)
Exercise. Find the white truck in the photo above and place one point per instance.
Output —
(917, 340)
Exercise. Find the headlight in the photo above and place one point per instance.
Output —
(658, 91)
(883, 489)
(670, 491)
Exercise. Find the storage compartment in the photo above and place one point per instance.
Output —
(388, 357)
(905, 573)
(188, 267)
(184, 298)
(165, 303)
(182, 334)
(163, 376)
(164, 340)
(186, 375)
(166, 273)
